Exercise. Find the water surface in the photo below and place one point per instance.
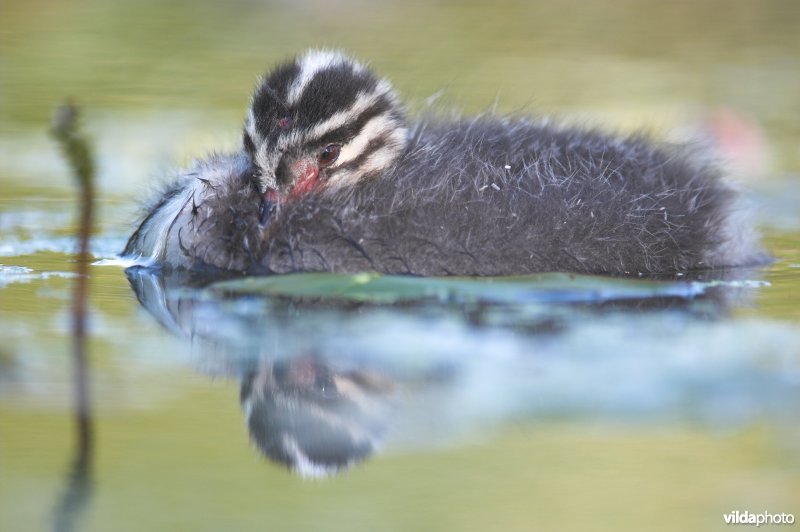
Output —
(552, 402)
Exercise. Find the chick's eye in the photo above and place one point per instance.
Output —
(329, 155)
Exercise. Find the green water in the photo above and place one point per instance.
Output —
(511, 414)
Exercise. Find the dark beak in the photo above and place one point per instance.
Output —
(268, 207)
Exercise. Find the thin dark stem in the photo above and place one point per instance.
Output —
(78, 154)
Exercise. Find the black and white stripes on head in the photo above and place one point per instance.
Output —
(322, 118)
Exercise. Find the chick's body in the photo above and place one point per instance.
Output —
(485, 196)
(472, 196)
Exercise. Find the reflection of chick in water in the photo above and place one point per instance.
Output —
(312, 418)
(319, 405)
(315, 413)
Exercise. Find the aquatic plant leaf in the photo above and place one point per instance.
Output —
(376, 288)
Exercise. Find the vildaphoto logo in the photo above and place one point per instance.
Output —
(764, 518)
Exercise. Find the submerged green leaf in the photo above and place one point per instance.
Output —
(387, 289)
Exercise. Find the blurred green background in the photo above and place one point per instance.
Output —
(623, 64)
(164, 81)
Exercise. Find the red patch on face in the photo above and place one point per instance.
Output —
(283, 123)
(307, 177)
(271, 195)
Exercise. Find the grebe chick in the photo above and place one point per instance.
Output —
(485, 195)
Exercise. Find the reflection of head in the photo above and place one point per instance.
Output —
(312, 419)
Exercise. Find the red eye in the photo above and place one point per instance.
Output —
(329, 155)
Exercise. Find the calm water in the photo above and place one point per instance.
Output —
(547, 402)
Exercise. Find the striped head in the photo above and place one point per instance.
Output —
(322, 119)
